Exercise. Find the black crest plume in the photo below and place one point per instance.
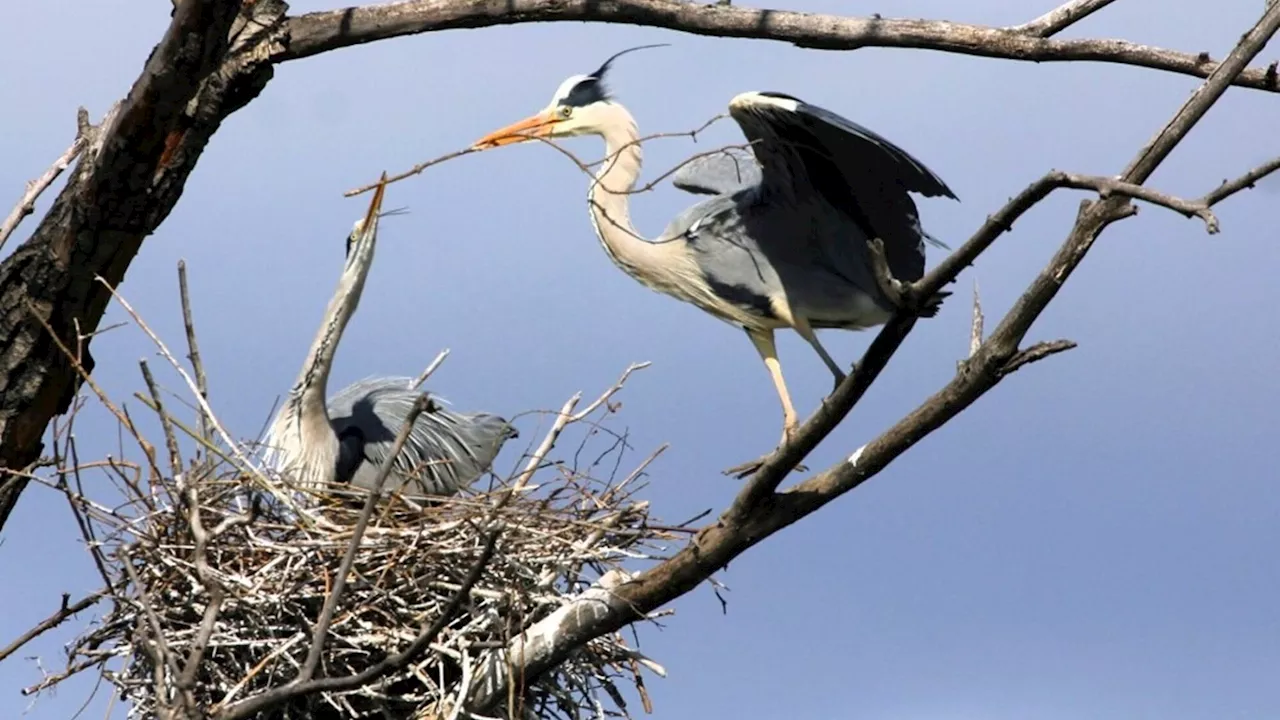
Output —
(593, 88)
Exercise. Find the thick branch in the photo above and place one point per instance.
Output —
(130, 175)
(318, 32)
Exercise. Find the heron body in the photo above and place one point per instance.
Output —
(782, 240)
(347, 439)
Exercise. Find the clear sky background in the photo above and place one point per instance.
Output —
(1094, 539)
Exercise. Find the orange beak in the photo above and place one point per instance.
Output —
(535, 126)
(375, 205)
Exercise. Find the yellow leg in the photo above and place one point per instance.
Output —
(763, 340)
(802, 327)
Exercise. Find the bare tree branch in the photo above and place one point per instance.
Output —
(1244, 182)
(1060, 18)
(1106, 187)
(318, 32)
(1035, 353)
(193, 349)
(27, 203)
(66, 610)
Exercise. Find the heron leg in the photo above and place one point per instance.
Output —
(763, 340)
(805, 330)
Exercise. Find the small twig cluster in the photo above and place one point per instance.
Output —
(227, 601)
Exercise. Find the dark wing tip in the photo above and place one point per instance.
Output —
(779, 96)
(918, 178)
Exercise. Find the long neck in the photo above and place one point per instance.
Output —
(309, 392)
(608, 199)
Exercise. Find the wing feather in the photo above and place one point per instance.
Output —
(445, 451)
(718, 173)
(807, 152)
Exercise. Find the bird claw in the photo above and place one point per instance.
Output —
(751, 467)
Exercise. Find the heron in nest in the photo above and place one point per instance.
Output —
(347, 439)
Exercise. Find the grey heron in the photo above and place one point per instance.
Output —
(348, 439)
(782, 242)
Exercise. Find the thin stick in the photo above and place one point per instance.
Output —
(247, 467)
(171, 443)
(27, 203)
(65, 611)
(1059, 19)
(193, 349)
(435, 364)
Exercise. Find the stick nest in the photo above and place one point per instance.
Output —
(274, 567)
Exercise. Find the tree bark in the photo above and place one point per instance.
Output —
(213, 59)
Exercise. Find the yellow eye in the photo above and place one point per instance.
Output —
(565, 111)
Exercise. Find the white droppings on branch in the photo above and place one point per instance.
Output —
(856, 456)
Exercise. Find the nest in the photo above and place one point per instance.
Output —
(218, 581)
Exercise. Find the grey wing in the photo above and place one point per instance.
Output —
(445, 451)
(718, 173)
(807, 150)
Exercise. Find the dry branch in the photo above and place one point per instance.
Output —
(66, 610)
(27, 203)
(327, 30)
(1060, 18)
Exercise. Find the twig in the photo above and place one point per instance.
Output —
(318, 32)
(125, 421)
(435, 364)
(171, 443)
(66, 610)
(166, 658)
(193, 351)
(187, 430)
(1060, 18)
(564, 418)
(415, 170)
(585, 167)
(249, 468)
(1231, 187)
(607, 394)
(27, 203)
(1106, 187)
(1036, 353)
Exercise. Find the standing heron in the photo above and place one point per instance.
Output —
(350, 439)
(783, 241)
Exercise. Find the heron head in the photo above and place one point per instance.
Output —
(365, 228)
(580, 106)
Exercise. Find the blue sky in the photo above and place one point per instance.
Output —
(1093, 539)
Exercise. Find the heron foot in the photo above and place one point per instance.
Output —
(751, 467)
(839, 378)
